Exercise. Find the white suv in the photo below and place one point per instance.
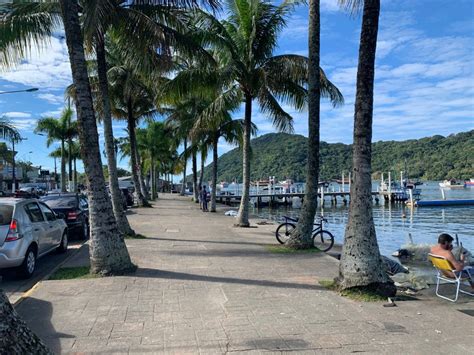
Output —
(28, 230)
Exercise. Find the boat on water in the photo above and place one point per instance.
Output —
(346, 181)
(469, 183)
(452, 184)
(399, 192)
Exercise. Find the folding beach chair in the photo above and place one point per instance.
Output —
(442, 264)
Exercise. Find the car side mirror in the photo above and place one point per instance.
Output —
(60, 215)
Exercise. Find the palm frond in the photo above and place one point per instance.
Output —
(25, 24)
(270, 106)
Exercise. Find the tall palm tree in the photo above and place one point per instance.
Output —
(301, 238)
(361, 264)
(109, 254)
(61, 129)
(132, 100)
(248, 71)
(74, 154)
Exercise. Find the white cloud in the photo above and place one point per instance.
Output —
(52, 99)
(27, 125)
(47, 67)
(17, 114)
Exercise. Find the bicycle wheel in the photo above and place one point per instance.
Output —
(283, 232)
(323, 240)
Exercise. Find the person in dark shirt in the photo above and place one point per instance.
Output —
(204, 199)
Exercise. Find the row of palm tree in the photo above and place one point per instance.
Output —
(197, 70)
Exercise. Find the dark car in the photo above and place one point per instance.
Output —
(128, 195)
(75, 209)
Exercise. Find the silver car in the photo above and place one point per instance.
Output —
(28, 230)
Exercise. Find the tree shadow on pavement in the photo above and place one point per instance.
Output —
(173, 275)
(205, 241)
(37, 314)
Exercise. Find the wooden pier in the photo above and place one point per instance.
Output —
(274, 199)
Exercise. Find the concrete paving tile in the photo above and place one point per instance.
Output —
(128, 327)
(123, 342)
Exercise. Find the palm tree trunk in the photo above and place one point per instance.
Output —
(141, 176)
(361, 264)
(69, 159)
(108, 252)
(74, 182)
(183, 186)
(136, 170)
(63, 167)
(201, 173)
(243, 215)
(152, 178)
(301, 238)
(214, 174)
(119, 213)
(15, 336)
(195, 185)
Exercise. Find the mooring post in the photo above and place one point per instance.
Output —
(389, 187)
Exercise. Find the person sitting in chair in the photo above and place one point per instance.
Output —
(443, 248)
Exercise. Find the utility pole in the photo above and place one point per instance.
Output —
(13, 166)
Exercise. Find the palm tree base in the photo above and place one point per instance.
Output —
(384, 289)
(242, 225)
(298, 241)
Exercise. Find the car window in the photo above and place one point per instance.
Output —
(60, 201)
(34, 213)
(50, 216)
(6, 212)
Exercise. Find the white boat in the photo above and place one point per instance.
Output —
(452, 184)
(470, 183)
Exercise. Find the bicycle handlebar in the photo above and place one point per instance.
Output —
(321, 218)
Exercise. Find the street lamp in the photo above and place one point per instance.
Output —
(13, 163)
(15, 91)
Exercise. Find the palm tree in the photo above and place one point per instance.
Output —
(180, 121)
(74, 153)
(109, 254)
(301, 238)
(361, 264)
(131, 99)
(248, 71)
(61, 129)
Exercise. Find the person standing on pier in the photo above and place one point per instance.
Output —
(204, 199)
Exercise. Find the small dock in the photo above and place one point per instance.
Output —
(440, 203)
(271, 199)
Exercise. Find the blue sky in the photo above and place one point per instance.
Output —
(424, 75)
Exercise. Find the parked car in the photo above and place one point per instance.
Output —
(75, 208)
(128, 195)
(28, 230)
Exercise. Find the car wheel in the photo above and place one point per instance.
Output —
(62, 248)
(28, 266)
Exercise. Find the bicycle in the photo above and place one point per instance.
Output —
(322, 239)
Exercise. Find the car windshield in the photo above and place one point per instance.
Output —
(6, 212)
(60, 201)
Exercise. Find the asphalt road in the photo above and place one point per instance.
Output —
(14, 286)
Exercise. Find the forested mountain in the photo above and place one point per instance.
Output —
(284, 156)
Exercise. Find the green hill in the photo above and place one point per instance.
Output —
(284, 156)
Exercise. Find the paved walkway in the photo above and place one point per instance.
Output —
(205, 287)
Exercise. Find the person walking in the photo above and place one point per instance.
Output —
(204, 199)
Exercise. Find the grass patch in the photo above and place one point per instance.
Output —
(282, 249)
(136, 236)
(361, 294)
(69, 273)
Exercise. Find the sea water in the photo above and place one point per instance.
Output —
(394, 222)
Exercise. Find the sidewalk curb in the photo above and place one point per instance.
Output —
(27, 293)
